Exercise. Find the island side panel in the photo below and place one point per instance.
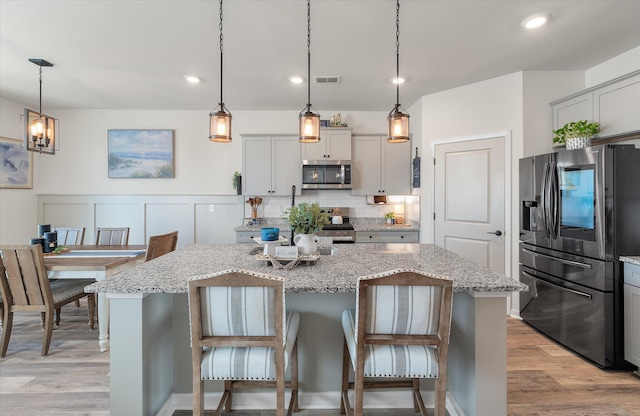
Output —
(141, 353)
(478, 353)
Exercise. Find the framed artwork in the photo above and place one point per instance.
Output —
(140, 153)
(16, 165)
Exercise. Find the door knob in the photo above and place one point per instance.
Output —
(497, 232)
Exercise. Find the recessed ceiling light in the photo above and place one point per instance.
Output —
(192, 79)
(535, 21)
(399, 80)
(296, 79)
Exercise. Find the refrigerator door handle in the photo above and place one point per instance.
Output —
(559, 260)
(555, 198)
(544, 196)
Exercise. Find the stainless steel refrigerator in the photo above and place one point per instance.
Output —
(579, 211)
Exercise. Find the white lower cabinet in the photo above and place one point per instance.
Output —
(387, 236)
(270, 165)
(380, 168)
(632, 313)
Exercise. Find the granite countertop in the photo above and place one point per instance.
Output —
(330, 274)
(630, 259)
(359, 224)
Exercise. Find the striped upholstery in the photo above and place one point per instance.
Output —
(240, 363)
(396, 310)
(407, 361)
(242, 311)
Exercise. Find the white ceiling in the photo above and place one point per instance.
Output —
(134, 54)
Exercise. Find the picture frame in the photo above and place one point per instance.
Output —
(140, 153)
(324, 123)
(16, 165)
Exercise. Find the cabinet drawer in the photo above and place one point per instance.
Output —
(387, 237)
(632, 274)
(246, 236)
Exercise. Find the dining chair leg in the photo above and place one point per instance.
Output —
(441, 396)
(57, 321)
(48, 329)
(198, 398)
(91, 308)
(7, 324)
(359, 390)
(228, 386)
(416, 391)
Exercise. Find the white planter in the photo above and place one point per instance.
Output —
(307, 243)
(578, 143)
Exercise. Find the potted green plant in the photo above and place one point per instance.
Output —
(305, 219)
(576, 134)
(390, 217)
(236, 181)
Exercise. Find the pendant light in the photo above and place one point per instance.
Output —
(40, 130)
(220, 120)
(309, 118)
(398, 118)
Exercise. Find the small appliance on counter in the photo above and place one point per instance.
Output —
(340, 229)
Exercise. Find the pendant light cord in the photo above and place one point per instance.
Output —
(40, 90)
(398, 52)
(309, 53)
(221, 38)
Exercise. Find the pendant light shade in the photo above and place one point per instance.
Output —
(40, 131)
(220, 120)
(220, 125)
(398, 118)
(309, 118)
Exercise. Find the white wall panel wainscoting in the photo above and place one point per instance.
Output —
(197, 218)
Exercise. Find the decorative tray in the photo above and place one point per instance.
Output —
(287, 262)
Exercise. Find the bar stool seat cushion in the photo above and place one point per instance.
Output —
(406, 361)
(248, 363)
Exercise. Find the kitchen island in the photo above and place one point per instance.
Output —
(150, 351)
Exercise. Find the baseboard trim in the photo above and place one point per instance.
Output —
(308, 400)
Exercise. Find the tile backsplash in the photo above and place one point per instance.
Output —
(407, 205)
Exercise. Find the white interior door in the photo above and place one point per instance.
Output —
(470, 200)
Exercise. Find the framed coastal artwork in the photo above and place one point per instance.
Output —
(140, 153)
(16, 165)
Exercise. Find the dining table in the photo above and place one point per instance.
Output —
(94, 263)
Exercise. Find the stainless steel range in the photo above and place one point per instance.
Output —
(340, 229)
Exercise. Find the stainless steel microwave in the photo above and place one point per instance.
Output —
(326, 174)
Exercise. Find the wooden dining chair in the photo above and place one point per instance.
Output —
(112, 236)
(26, 288)
(242, 334)
(160, 245)
(398, 334)
(70, 236)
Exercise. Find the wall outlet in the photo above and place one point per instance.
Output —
(211, 208)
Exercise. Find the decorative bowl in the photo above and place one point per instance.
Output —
(269, 234)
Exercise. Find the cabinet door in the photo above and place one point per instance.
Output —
(366, 169)
(314, 151)
(286, 166)
(632, 313)
(574, 109)
(256, 158)
(338, 144)
(617, 107)
(397, 168)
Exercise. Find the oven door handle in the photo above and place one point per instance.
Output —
(546, 282)
(559, 260)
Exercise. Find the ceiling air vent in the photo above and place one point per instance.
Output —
(327, 79)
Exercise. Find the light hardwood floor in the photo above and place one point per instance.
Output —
(544, 379)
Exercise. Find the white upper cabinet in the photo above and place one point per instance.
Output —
(617, 106)
(271, 165)
(613, 104)
(380, 168)
(335, 144)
